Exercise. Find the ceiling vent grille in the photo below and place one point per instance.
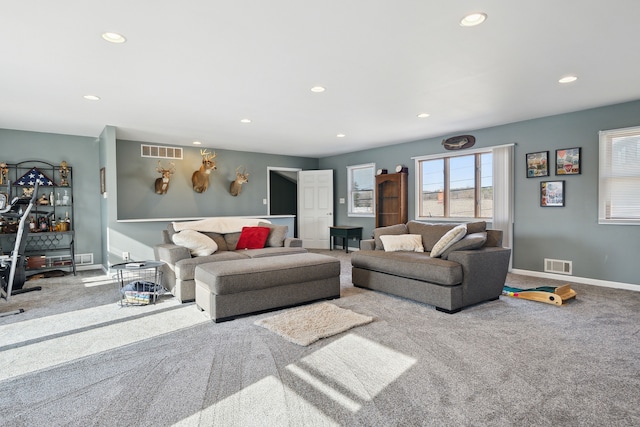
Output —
(558, 266)
(160, 152)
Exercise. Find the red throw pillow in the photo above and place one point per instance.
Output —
(253, 237)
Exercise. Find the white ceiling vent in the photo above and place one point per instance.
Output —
(558, 266)
(160, 152)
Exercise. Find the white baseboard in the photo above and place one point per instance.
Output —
(88, 267)
(576, 279)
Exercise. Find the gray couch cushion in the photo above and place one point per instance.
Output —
(431, 233)
(277, 234)
(185, 269)
(390, 230)
(218, 238)
(470, 241)
(267, 252)
(254, 274)
(232, 240)
(414, 265)
(476, 227)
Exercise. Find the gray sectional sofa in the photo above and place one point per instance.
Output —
(466, 269)
(181, 259)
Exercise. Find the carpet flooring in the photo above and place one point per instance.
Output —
(309, 323)
(76, 358)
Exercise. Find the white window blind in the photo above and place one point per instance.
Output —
(619, 177)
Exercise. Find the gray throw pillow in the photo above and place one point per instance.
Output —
(431, 233)
(389, 230)
(231, 239)
(277, 234)
(468, 242)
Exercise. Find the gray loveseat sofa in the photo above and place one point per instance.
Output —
(182, 258)
(464, 272)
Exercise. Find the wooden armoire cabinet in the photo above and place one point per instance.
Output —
(391, 199)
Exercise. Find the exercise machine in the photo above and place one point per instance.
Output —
(13, 275)
(549, 294)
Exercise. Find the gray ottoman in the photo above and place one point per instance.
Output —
(228, 289)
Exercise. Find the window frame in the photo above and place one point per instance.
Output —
(607, 176)
(350, 190)
(477, 189)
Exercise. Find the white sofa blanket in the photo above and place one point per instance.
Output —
(220, 225)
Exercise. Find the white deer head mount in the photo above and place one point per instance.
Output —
(200, 178)
(162, 183)
(241, 178)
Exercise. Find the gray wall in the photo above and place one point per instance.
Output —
(136, 177)
(129, 228)
(602, 252)
(82, 155)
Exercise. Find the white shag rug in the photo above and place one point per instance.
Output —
(307, 324)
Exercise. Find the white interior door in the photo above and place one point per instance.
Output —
(315, 208)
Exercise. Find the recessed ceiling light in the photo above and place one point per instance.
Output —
(423, 115)
(245, 121)
(197, 143)
(317, 89)
(92, 97)
(340, 135)
(473, 19)
(114, 37)
(568, 79)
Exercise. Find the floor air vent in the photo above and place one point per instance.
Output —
(558, 266)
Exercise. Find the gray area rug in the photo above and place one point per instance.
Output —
(76, 358)
(307, 324)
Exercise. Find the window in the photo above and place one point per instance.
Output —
(455, 186)
(360, 187)
(619, 177)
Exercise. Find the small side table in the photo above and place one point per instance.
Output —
(345, 232)
(139, 282)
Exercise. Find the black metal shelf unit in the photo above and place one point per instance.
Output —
(51, 239)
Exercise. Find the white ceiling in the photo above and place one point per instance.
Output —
(191, 70)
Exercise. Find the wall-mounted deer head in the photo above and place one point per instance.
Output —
(241, 178)
(162, 183)
(200, 178)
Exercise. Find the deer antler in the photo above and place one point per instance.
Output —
(206, 155)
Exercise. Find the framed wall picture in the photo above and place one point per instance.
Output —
(537, 164)
(568, 161)
(103, 181)
(552, 193)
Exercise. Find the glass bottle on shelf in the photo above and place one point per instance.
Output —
(65, 199)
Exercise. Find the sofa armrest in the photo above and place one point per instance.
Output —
(292, 242)
(484, 272)
(171, 253)
(367, 244)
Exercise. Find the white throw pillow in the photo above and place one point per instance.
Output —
(197, 243)
(450, 237)
(402, 242)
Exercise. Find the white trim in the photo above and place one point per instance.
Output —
(575, 279)
(350, 168)
(202, 217)
(461, 152)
